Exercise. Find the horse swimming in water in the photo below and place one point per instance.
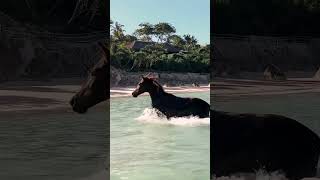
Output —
(169, 104)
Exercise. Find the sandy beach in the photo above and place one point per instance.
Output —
(24, 96)
(54, 95)
(227, 88)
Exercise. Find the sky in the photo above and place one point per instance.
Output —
(187, 16)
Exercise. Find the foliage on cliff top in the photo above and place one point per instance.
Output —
(71, 16)
(193, 57)
(267, 17)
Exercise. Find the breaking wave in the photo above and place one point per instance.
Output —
(151, 115)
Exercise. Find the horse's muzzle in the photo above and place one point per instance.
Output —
(134, 94)
(75, 106)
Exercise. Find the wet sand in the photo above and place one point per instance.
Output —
(37, 97)
(233, 88)
(54, 95)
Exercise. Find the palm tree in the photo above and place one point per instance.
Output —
(118, 32)
(139, 60)
(191, 41)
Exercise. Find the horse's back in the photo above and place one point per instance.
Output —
(174, 106)
(244, 142)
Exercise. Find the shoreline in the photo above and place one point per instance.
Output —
(232, 88)
(126, 91)
(17, 98)
(35, 97)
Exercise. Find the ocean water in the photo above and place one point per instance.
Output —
(58, 145)
(304, 108)
(145, 146)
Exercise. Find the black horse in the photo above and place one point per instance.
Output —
(248, 142)
(96, 88)
(169, 104)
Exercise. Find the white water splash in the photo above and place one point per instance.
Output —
(151, 115)
(259, 175)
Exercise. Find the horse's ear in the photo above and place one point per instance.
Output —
(147, 75)
(144, 77)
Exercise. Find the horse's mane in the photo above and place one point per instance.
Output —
(159, 87)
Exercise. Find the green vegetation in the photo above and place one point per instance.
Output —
(192, 57)
(71, 16)
(267, 17)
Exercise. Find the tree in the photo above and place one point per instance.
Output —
(145, 31)
(191, 41)
(154, 56)
(177, 40)
(163, 30)
(118, 32)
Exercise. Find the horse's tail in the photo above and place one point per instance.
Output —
(317, 144)
(208, 110)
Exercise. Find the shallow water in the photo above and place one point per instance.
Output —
(52, 146)
(304, 108)
(144, 146)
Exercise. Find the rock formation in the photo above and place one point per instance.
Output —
(272, 72)
(317, 75)
(115, 76)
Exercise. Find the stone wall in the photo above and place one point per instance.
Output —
(122, 78)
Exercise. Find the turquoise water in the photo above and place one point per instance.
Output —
(52, 145)
(304, 108)
(147, 147)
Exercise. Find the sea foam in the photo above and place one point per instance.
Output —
(151, 115)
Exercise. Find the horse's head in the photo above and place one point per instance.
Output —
(94, 90)
(147, 84)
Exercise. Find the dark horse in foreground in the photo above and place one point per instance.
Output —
(169, 104)
(96, 88)
(249, 142)
(239, 142)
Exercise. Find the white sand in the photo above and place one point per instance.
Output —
(236, 87)
(32, 95)
(56, 94)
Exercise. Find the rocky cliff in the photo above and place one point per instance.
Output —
(35, 44)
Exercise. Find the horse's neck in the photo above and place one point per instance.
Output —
(156, 95)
